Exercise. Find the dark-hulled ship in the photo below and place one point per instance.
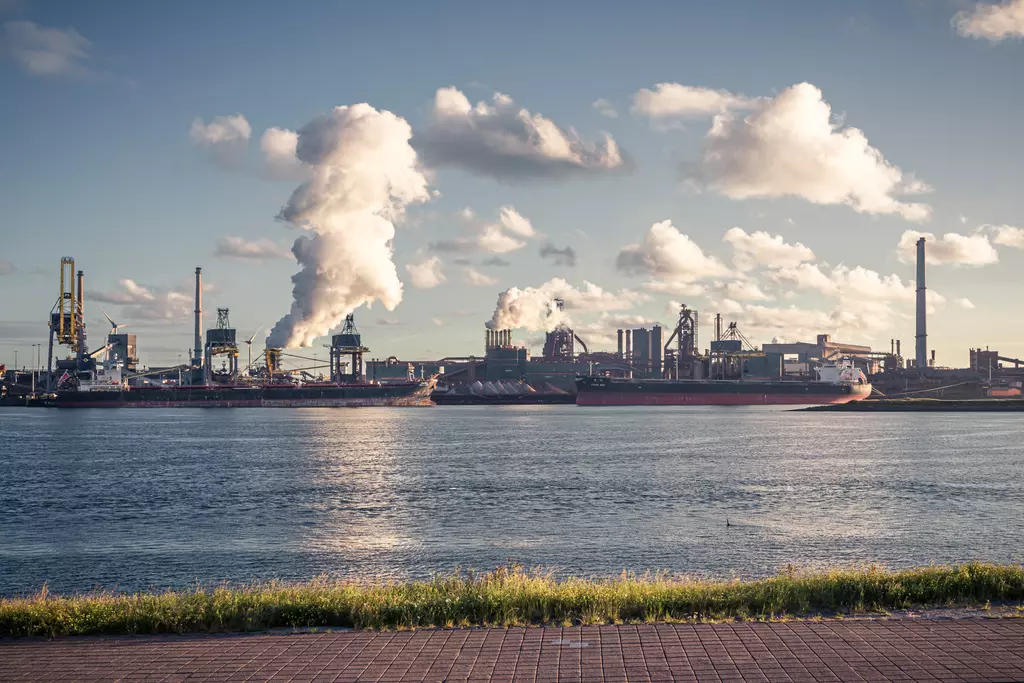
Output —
(411, 393)
(835, 384)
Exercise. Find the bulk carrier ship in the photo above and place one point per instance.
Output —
(835, 383)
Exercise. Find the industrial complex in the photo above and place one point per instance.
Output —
(505, 372)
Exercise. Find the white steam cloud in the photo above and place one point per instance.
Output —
(363, 173)
(536, 309)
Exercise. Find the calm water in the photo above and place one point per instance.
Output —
(158, 498)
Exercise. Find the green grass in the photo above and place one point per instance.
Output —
(509, 596)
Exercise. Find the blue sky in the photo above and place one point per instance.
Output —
(98, 162)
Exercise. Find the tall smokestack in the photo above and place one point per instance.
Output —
(81, 294)
(620, 343)
(629, 344)
(197, 357)
(921, 357)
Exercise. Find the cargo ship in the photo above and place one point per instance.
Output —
(415, 393)
(835, 383)
(107, 389)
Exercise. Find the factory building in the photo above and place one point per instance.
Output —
(801, 357)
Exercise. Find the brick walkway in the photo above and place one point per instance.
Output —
(961, 649)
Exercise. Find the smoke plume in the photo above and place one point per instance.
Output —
(536, 309)
(363, 174)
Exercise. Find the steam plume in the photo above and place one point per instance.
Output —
(363, 174)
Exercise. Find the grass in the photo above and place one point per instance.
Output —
(508, 596)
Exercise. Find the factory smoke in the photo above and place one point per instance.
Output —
(362, 175)
(536, 308)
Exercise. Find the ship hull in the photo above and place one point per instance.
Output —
(325, 396)
(601, 391)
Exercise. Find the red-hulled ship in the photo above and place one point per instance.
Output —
(835, 384)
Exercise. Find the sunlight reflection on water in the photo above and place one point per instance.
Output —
(140, 498)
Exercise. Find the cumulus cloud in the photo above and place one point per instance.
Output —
(992, 21)
(1006, 235)
(499, 237)
(965, 303)
(741, 290)
(149, 303)
(605, 108)
(673, 100)
(536, 308)
(515, 223)
(426, 274)
(949, 249)
(854, 284)
(43, 51)
(362, 174)
(241, 249)
(790, 146)
(672, 260)
(566, 256)
(279, 154)
(506, 142)
(497, 261)
(477, 279)
(224, 139)
(762, 249)
(793, 323)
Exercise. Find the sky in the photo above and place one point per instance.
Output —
(439, 167)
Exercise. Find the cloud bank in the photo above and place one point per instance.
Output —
(43, 51)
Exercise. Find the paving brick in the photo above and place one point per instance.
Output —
(966, 649)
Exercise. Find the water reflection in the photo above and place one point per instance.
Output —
(164, 498)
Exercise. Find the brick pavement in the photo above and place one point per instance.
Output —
(903, 649)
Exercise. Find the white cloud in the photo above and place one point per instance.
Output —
(672, 100)
(279, 154)
(43, 51)
(762, 249)
(741, 290)
(241, 249)
(515, 222)
(992, 21)
(965, 303)
(502, 140)
(852, 284)
(605, 108)
(492, 239)
(790, 146)
(426, 274)
(501, 237)
(149, 303)
(477, 279)
(535, 308)
(1006, 235)
(225, 139)
(949, 249)
(673, 261)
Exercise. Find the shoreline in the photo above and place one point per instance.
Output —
(510, 596)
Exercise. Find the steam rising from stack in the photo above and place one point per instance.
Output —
(362, 176)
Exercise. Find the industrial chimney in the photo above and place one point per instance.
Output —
(921, 355)
(197, 357)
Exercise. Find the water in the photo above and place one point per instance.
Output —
(136, 499)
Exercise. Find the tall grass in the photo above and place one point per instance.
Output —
(508, 596)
